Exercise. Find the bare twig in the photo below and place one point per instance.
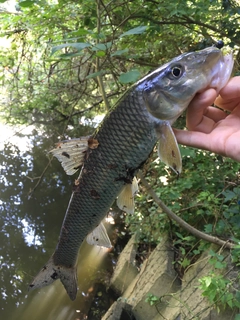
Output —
(39, 180)
(99, 78)
(137, 61)
(182, 223)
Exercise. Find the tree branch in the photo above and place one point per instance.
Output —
(182, 223)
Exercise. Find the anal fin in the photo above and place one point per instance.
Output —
(99, 237)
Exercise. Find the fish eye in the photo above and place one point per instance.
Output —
(176, 71)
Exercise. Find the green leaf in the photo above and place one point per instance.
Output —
(229, 195)
(26, 4)
(185, 263)
(196, 252)
(100, 53)
(130, 76)
(230, 300)
(179, 235)
(219, 265)
(79, 46)
(212, 253)
(80, 32)
(119, 52)
(70, 55)
(102, 46)
(211, 295)
(208, 228)
(137, 30)
(237, 317)
(207, 281)
(95, 74)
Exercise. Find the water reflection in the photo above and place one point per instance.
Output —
(29, 229)
(29, 234)
(52, 302)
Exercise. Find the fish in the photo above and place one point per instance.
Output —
(119, 147)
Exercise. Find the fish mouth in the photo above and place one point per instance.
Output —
(218, 68)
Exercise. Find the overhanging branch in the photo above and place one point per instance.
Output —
(182, 223)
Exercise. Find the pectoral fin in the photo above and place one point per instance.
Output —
(99, 237)
(125, 200)
(71, 152)
(168, 150)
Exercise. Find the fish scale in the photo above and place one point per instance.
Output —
(127, 147)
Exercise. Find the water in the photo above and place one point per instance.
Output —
(32, 208)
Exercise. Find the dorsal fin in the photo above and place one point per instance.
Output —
(125, 200)
(99, 237)
(71, 153)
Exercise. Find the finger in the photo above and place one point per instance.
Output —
(215, 114)
(229, 96)
(231, 90)
(203, 141)
(197, 109)
(228, 105)
(192, 139)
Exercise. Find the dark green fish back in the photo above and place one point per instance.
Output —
(126, 138)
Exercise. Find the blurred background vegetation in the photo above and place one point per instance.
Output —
(63, 64)
(69, 59)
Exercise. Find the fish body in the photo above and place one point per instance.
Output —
(125, 139)
(123, 148)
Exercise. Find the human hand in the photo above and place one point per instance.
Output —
(211, 128)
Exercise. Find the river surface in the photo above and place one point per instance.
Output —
(34, 194)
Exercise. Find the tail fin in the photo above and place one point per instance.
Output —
(50, 272)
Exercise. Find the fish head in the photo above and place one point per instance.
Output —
(168, 90)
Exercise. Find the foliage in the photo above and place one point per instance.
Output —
(209, 201)
(216, 289)
(67, 59)
(152, 299)
(220, 290)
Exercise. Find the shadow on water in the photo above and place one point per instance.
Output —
(29, 229)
